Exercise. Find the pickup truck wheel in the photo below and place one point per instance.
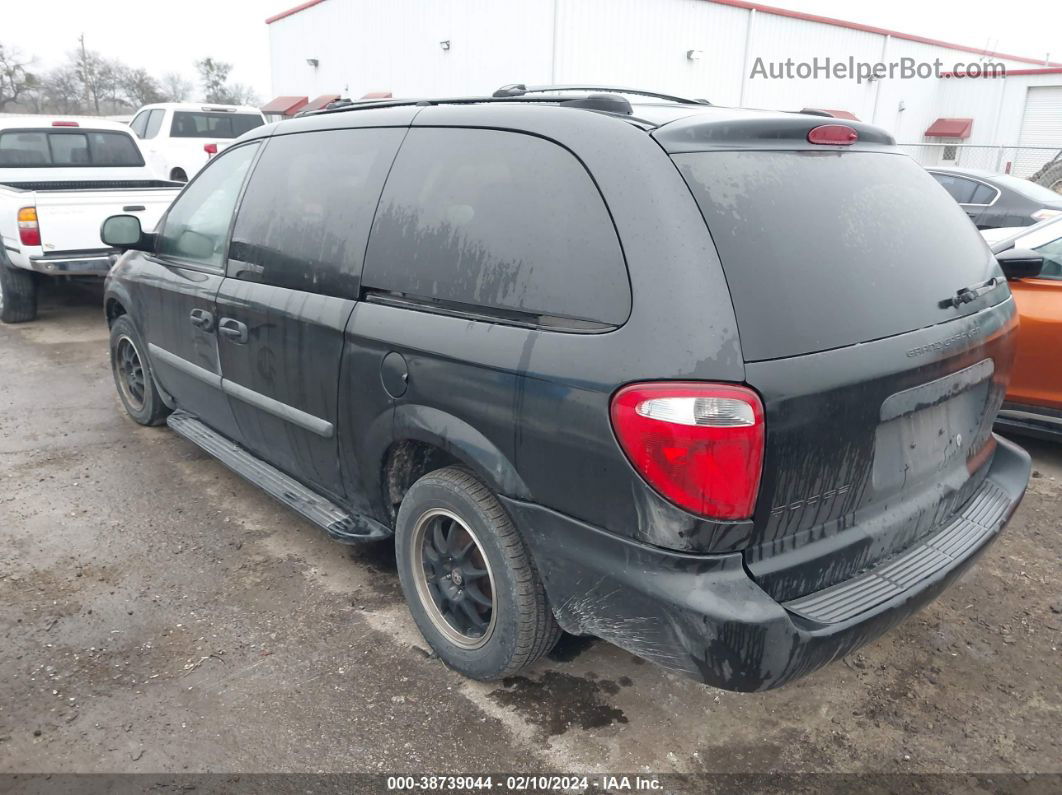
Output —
(133, 377)
(18, 295)
(470, 582)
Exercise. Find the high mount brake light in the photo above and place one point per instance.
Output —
(833, 134)
(700, 445)
(65, 124)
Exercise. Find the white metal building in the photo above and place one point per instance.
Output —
(696, 48)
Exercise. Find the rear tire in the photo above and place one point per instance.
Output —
(18, 295)
(1051, 178)
(132, 375)
(470, 583)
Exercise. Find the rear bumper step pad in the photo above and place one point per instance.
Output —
(981, 517)
(338, 523)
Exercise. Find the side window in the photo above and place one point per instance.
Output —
(498, 221)
(305, 216)
(983, 194)
(139, 124)
(153, 123)
(962, 190)
(197, 223)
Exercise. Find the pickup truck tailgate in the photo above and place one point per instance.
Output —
(70, 219)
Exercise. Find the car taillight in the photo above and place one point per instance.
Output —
(1045, 213)
(210, 149)
(835, 134)
(700, 445)
(28, 230)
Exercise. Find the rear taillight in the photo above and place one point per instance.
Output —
(28, 230)
(833, 134)
(210, 149)
(699, 445)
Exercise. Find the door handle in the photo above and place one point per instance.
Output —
(233, 329)
(200, 318)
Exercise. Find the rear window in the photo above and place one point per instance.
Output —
(40, 148)
(823, 250)
(203, 124)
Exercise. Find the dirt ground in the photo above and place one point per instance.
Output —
(159, 614)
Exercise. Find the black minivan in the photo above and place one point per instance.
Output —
(714, 385)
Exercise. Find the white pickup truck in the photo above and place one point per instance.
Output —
(179, 138)
(59, 180)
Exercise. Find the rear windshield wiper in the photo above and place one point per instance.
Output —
(968, 294)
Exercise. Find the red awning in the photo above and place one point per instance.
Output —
(287, 106)
(950, 128)
(837, 114)
(319, 102)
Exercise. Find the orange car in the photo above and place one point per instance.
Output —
(1034, 401)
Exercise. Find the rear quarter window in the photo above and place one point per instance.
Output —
(497, 221)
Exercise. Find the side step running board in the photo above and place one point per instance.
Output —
(338, 523)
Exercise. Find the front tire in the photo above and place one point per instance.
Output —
(18, 295)
(470, 582)
(132, 375)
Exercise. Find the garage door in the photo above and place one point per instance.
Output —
(1041, 126)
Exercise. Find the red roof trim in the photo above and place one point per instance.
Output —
(949, 128)
(1055, 70)
(295, 10)
(840, 23)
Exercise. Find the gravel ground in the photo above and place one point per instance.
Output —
(159, 614)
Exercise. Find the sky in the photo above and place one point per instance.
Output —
(170, 36)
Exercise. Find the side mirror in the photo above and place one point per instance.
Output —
(1020, 263)
(124, 232)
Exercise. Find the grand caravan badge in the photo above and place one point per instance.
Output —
(947, 342)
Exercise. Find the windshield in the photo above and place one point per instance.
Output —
(45, 148)
(826, 249)
(196, 124)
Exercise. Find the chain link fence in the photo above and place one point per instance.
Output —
(1028, 162)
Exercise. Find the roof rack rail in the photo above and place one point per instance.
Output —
(520, 89)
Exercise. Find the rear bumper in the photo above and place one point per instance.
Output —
(89, 263)
(704, 615)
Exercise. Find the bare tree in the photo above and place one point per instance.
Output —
(61, 91)
(214, 74)
(16, 81)
(139, 88)
(175, 88)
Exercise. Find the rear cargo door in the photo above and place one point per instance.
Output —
(876, 326)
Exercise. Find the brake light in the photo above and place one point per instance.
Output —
(834, 134)
(28, 230)
(210, 149)
(65, 124)
(699, 445)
